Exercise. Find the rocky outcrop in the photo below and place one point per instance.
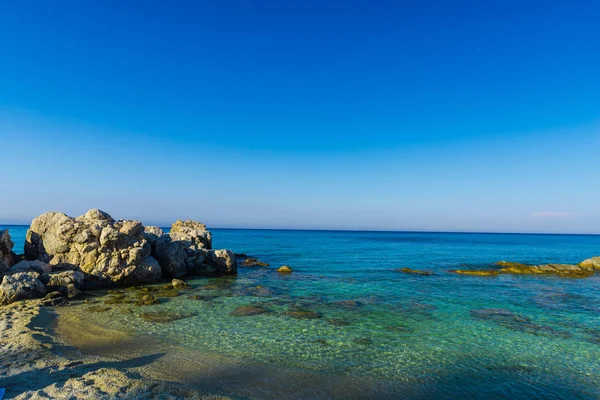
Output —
(590, 263)
(186, 249)
(221, 262)
(6, 255)
(21, 286)
(107, 251)
(582, 270)
(192, 231)
(65, 254)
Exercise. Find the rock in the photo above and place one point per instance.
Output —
(302, 314)
(98, 309)
(21, 286)
(165, 316)
(192, 231)
(54, 299)
(147, 300)
(253, 262)
(284, 269)
(591, 263)
(516, 322)
(167, 293)
(72, 291)
(349, 304)
(107, 251)
(477, 272)
(149, 270)
(118, 299)
(562, 270)
(6, 255)
(221, 262)
(184, 250)
(584, 273)
(61, 279)
(202, 298)
(31, 266)
(178, 284)
(171, 256)
(414, 271)
(151, 234)
(247, 311)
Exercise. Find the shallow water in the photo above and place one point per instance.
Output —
(380, 333)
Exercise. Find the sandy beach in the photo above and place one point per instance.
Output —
(35, 364)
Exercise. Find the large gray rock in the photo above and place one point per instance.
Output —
(171, 254)
(152, 233)
(21, 286)
(193, 232)
(6, 245)
(184, 249)
(60, 280)
(107, 251)
(221, 262)
(149, 270)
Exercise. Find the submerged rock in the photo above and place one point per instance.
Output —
(98, 309)
(21, 286)
(477, 272)
(253, 262)
(302, 314)
(516, 322)
(246, 311)
(54, 299)
(414, 271)
(202, 298)
(165, 316)
(147, 300)
(167, 293)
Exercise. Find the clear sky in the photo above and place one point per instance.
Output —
(404, 115)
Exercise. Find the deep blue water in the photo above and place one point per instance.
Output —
(386, 334)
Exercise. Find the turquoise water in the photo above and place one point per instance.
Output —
(444, 335)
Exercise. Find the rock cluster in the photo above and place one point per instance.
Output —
(107, 251)
(187, 249)
(66, 254)
(582, 270)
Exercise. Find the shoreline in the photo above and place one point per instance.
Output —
(36, 363)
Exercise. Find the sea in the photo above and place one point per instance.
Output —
(345, 324)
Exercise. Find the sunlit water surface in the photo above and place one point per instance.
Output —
(385, 333)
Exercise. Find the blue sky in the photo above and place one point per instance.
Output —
(420, 115)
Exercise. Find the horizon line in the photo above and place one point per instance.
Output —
(370, 230)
